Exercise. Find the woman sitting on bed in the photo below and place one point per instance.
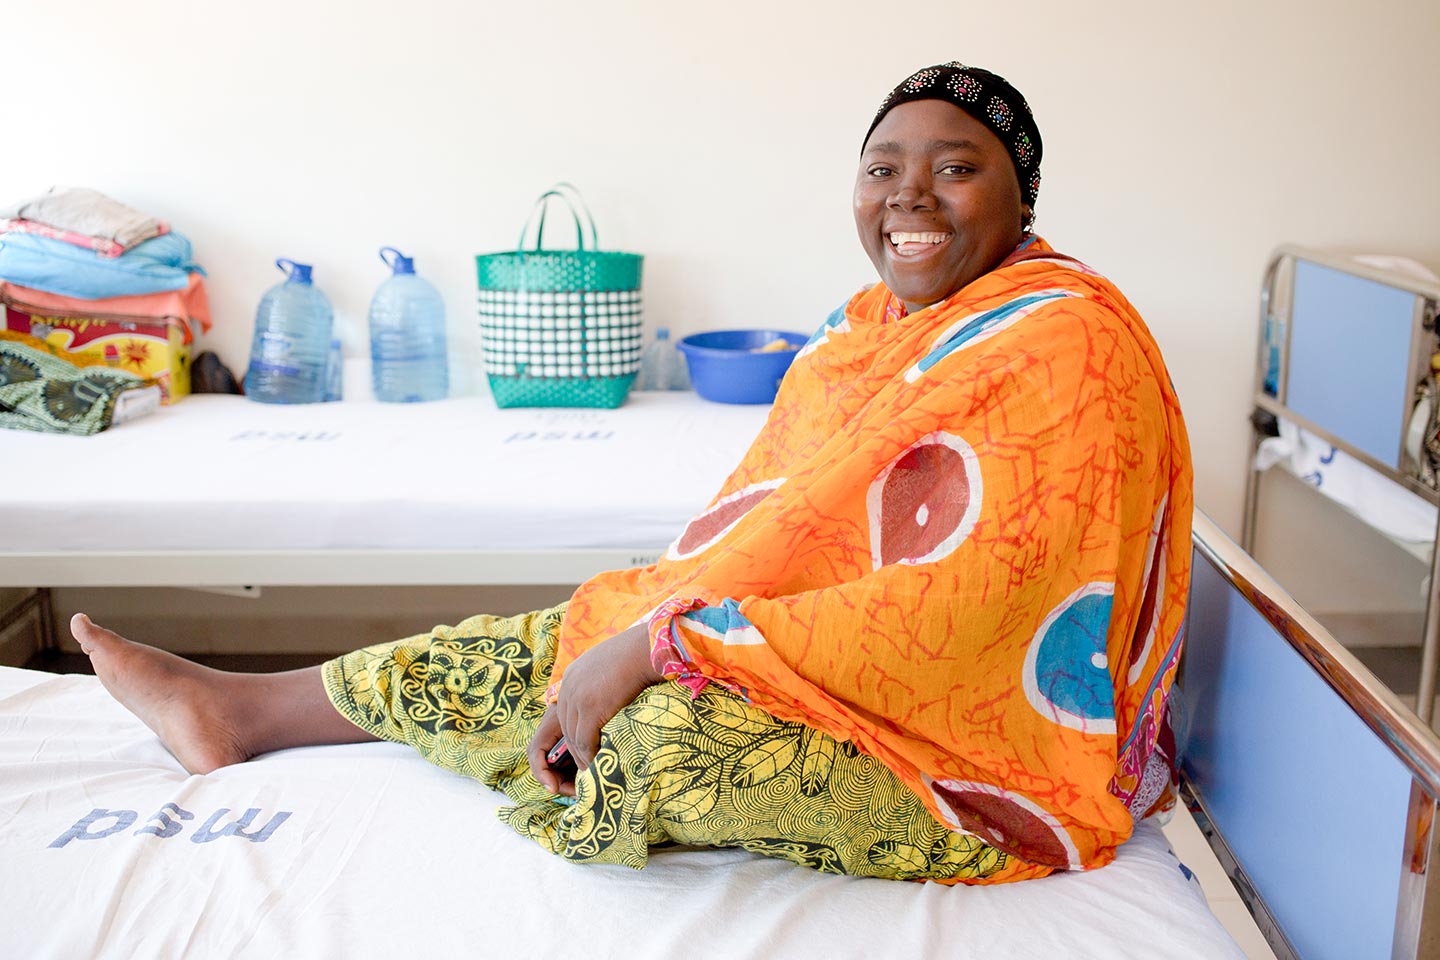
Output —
(926, 629)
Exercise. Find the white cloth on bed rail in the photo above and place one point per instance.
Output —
(1381, 503)
(107, 849)
(225, 473)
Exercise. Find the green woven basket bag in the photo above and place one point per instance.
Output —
(560, 328)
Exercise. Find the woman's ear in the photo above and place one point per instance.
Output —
(1027, 217)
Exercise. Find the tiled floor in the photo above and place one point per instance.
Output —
(1190, 846)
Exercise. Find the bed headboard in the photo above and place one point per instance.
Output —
(1348, 350)
(1316, 788)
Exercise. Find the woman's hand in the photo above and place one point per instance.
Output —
(599, 684)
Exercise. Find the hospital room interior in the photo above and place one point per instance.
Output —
(1258, 179)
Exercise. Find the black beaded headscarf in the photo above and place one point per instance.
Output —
(988, 98)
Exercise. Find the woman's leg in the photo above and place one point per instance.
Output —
(467, 698)
(715, 771)
(209, 718)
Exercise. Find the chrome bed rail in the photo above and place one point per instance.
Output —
(1414, 746)
(1381, 710)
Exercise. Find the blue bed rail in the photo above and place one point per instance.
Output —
(1315, 786)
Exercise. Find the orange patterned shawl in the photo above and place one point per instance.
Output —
(961, 541)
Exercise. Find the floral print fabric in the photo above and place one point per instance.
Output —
(708, 770)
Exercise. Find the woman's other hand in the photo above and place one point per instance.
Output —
(599, 684)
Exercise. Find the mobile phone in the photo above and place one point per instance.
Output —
(560, 760)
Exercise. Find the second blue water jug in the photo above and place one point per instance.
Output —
(407, 335)
(292, 340)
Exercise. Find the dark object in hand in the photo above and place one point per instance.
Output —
(560, 760)
(209, 375)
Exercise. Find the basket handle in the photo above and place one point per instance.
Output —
(571, 196)
(569, 191)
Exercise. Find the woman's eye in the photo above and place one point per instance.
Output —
(881, 172)
(955, 169)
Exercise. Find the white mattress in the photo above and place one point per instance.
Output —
(383, 855)
(225, 473)
(1404, 517)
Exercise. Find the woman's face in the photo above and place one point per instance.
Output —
(937, 202)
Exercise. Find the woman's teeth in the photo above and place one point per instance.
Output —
(908, 244)
(899, 238)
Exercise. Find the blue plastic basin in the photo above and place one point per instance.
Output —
(725, 367)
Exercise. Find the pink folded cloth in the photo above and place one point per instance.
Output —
(190, 304)
(103, 247)
(87, 218)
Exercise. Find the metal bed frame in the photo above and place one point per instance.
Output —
(243, 572)
(1394, 464)
(313, 568)
(1257, 817)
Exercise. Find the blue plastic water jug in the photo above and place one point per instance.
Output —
(407, 335)
(292, 340)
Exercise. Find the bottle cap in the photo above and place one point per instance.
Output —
(400, 263)
(294, 272)
(662, 333)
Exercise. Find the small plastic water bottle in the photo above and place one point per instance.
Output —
(681, 378)
(407, 336)
(661, 366)
(291, 347)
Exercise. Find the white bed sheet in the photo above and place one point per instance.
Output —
(1406, 518)
(225, 473)
(383, 855)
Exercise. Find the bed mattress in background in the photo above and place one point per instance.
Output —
(108, 849)
(225, 473)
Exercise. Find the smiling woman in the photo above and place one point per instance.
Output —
(925, 630)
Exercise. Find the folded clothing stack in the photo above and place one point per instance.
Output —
(91, 276)
(83, 217)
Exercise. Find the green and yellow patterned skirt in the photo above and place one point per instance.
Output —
(708, 771)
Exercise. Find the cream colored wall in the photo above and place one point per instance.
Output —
(1183, 142)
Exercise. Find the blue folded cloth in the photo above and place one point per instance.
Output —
(159, 264)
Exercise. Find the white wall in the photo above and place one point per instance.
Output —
(1182, 144)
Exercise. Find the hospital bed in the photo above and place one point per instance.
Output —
(1344, 342)
(1315, 788)
(217, 491)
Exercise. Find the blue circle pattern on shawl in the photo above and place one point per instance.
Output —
(1067, 676)
(837, 321)
(978, 327)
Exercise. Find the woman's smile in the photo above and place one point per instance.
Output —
(912, 245)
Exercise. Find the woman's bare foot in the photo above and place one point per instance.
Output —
(210, 718)
(190, 707)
